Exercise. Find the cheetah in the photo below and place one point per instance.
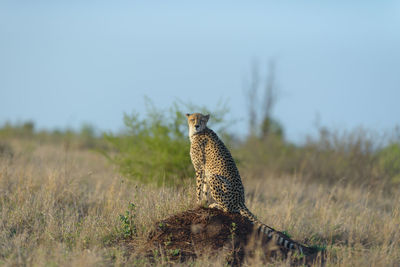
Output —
(218, 180)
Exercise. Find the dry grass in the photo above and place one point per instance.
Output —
(61, 207)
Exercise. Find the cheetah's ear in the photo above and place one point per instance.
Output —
(207, 116)
(188, 115)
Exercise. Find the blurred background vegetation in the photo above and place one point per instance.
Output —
(154, 146)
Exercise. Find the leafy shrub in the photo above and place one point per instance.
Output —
(354, 157)
(87, 137)
(24, 130)
(271, 154)
(347, 156)
(389, 162)
(127, 220)
(6, 150)
(155, 149)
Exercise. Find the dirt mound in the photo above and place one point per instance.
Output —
(212, 232)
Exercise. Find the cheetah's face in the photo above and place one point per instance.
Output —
(197, 122)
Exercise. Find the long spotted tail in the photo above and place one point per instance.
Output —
(281, 239)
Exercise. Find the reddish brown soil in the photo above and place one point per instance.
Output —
(212, 232)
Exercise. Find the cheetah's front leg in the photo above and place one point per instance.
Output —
(199, 186)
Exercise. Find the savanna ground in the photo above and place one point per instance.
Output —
(64, 205)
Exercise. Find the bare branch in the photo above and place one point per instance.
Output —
(251, 88)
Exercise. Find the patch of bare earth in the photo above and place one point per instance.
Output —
(213, 233)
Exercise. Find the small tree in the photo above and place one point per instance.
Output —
(267, 125)
(251, 88)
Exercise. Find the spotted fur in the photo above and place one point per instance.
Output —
(218, 180)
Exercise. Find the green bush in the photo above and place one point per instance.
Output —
(389, 162)
(353, 157)
(155, 149)
(6, 150)
(87, 137)
(348, 156)
(19, 130)
(271, 154)
(128, 228)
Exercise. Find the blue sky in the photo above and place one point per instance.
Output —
(63, 63)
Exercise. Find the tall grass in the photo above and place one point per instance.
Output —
(62, 206)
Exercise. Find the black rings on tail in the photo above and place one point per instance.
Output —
(281, 239)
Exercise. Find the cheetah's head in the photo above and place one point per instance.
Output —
(197, 122)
